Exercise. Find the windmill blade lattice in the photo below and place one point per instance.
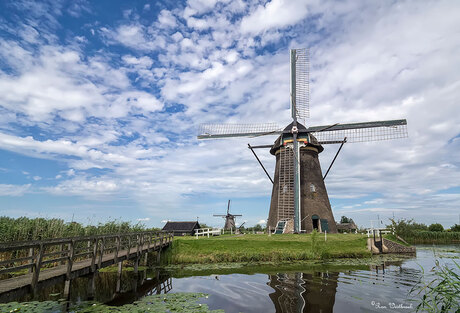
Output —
(215, 131)
(300, 76)
(362, 132)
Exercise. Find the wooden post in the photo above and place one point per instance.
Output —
(136, 260)
(101, 252)
(117, 249)
(93, 260)
(38, 264)
(66, 293)
(158, 256)
(31, 261)
(129, 247)
(70, 259)
(92, 286)
(136, 265)
(138, 243)
(120, 269)
(62, 249)
(148, 241)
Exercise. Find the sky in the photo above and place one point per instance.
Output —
(100, 102)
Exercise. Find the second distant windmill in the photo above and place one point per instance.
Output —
(229, 218)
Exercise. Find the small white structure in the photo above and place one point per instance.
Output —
(383, 230)
(208, 232)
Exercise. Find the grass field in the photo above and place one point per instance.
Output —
(262, 248)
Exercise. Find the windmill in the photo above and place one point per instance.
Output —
(299, 201)
(229, 218)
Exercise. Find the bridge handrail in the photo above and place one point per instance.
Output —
(96, 247)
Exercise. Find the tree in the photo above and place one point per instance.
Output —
(203, 225)
(436, 227)
(455, 228)
(403, 227)
(258, 227)
(345, 219)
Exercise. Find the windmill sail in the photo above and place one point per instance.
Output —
(361, 132)
(300, 88)
(214, 131)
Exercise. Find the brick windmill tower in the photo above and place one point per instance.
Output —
(299, 201)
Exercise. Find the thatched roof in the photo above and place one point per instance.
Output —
(181, 226)
(346, 226)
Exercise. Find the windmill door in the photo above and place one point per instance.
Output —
(324, 225)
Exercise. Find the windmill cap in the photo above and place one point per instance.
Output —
(313, 142)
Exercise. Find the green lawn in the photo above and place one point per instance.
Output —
(256, 248)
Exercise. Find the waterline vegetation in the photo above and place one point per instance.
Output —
(441, 293)
(417, 233)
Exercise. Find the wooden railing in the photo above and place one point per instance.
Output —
(35, 255)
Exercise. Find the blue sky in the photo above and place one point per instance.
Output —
(100, 103)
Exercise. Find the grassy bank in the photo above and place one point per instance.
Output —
(264, 248)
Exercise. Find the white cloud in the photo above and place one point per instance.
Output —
(165, 18)
(274, 14)
(13, 190)
(144, 219)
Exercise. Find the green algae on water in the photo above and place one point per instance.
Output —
(167, 303)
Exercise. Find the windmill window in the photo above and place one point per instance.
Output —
(312, 188)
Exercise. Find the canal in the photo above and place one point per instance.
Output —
(380, 285)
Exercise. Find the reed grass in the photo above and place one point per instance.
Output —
(23, 228)
(426, 236)
(441, 292)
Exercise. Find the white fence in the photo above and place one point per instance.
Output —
(208, 232)
(370, 231)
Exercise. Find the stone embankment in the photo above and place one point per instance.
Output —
(387, 246)
(394, 247)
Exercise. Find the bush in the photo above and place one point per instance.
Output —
(436, 227)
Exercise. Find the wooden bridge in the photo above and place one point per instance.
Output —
(67, 258)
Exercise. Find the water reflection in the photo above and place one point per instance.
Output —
(303, 292)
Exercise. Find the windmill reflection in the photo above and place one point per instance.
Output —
(302, 292)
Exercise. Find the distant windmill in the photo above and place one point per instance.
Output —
(299, 199)
(229, 218)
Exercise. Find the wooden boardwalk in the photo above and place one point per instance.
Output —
(74, 257)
